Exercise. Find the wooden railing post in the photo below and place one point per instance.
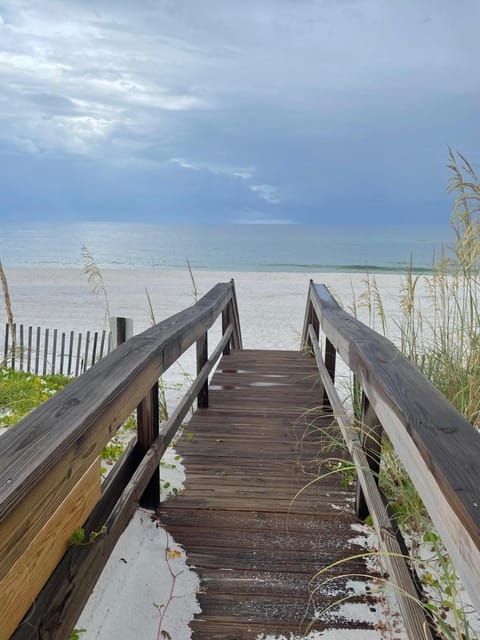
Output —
(147, 432)
(311, 319)
(147, 414)
(202, 357)
(330, 363)
(60, 441)
(371, 439)
(121, 330)
(315, 323)
(226, 315)
(236, 340)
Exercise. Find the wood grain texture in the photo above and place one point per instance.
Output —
(438, 447)
(43, 456)
(371, 441)
(147, 432)
(253, 530)
(21, 585)
(235, 319)
(202, 357)
(58, 606)
(406, 594)
(63, 598)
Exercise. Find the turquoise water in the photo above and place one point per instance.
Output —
(322, 248)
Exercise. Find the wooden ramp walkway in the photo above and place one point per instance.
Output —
(252, 532)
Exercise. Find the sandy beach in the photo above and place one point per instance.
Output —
(271, 305)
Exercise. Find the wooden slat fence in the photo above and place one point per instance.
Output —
(48, 351)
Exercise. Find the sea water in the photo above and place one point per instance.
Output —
(254, 248)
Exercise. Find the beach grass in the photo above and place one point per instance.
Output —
(21, 392)
(438, 330)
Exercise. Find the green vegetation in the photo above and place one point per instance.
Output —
(439, 322)
(79, 536)
(20, 392)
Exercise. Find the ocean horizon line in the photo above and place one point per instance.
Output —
(226, 247)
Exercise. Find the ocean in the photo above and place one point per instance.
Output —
(247, 248)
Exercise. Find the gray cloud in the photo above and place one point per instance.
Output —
(273, 101)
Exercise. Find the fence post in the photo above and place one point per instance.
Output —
(371, 438)
(14, 344)
(22, 350)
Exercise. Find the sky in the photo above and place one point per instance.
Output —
(252, 111)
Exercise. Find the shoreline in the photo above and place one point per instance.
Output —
(271, 304)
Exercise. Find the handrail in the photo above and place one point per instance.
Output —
(438, 447)
(43, 457)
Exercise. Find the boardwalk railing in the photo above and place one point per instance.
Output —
(50, 469)
(48, 351)
(439, 449)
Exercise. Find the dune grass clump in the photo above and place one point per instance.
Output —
(443, 340)
(438, 330)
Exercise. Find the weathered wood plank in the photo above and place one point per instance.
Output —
(73, 409)
(37, 351)
(94, 348)
(57, 609)
(70, 354)
(43, 456)
(62, 353)
(84, 366)
(29, 354)
(202, 357)
(14, 346)
(79, 350)
(54, 613)
(147, 432)
(22, 583)
(45, 351)
(438, 447)
(20, 525)
(235, 320)
(406, 594)
(254, 533)
(102, 343)
(22, 347)
(371, 440)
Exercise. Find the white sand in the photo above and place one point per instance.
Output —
(145, 590)
(138, 595)
(271, 305)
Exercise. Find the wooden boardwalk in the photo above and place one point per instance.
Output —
(252, 532)
(255, 537)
